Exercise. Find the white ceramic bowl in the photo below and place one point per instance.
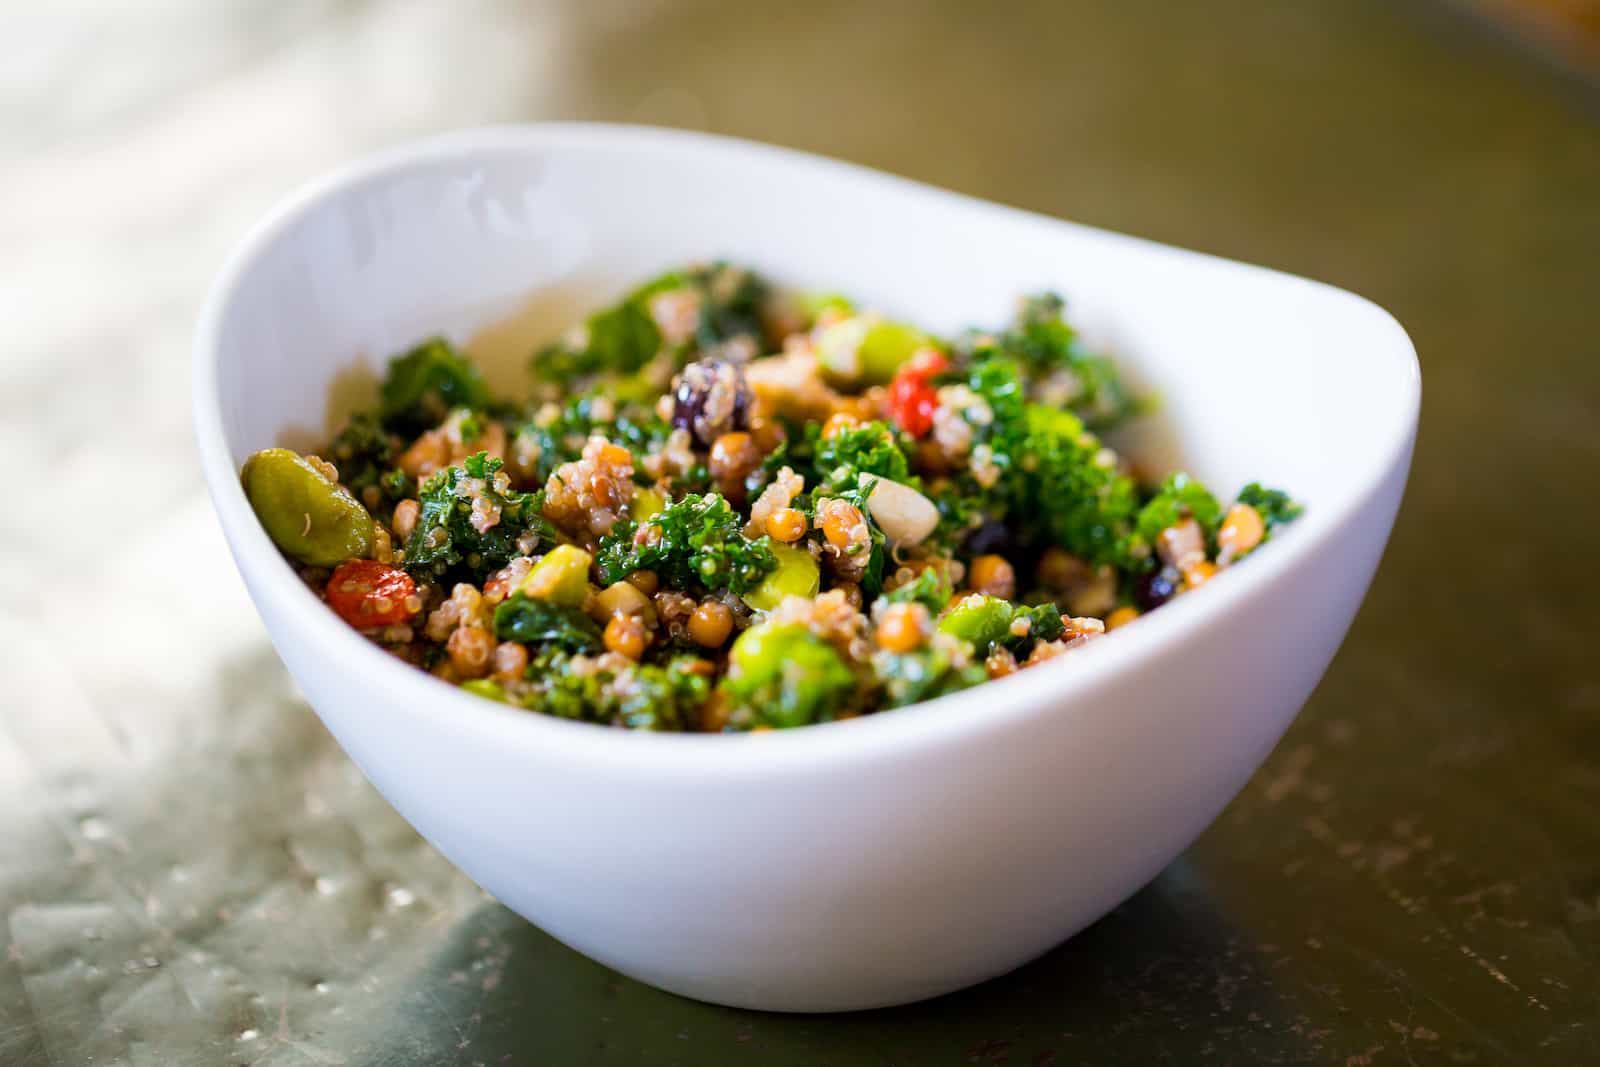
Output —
(855, 864)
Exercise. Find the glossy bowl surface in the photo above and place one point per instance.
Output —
(857, 864)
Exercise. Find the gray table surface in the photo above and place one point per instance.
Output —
(192, 873)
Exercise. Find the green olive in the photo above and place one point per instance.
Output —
(797, 574)
(309, 517)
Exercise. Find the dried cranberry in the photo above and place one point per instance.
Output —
(710, 398)
(1152, 590)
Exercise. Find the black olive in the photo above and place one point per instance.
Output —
(1152, 590)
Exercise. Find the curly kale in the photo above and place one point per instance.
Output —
(1051, 470)
(617, 340)
(695, 542)
(445, 539)
(535, 621)
(640, 697)
(840, 460)
(1277, 508)
(1179, 497)
(424, 384)
(1044, 624)
(1065, 373)
(621, 339)
(665, 697)
(731, 299)
(365, 454)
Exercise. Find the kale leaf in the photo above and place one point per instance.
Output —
(1064, 372)
(1050, 470)
(697, 541)
(1044, 624)
(534, 621)
(1179, 497)
(840, 460)
(1276, 507)
(641, 697)
(365, 454)
(618, 340)
(931, 589)
(425, 383)
(445, 538)
(622, 338)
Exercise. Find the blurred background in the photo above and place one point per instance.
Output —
(190, 871)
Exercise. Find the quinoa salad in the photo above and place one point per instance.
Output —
(729, 507)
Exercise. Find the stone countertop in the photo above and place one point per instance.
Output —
(192, 873)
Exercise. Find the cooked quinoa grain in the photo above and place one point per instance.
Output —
(719, 512)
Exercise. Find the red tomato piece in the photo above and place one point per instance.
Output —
(366, 593)
(912, 399)
(912, 402)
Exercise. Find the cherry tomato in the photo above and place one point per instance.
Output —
(366, 593)
(912, 398)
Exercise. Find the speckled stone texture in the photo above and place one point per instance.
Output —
(191, 872)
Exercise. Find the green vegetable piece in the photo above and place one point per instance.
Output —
(812, 305)
(979, 619)
(365, 454)
(865, 349)
(623, 339)
(783, 675)
(694, 542)
(1179, 497)
(485, 688)
(445, 538)
(647, 504)
(987, 621)
(885, 347)
(842, 459)
(561, 577)
(797, 575)
(640, 696)
(839, 349)
(425, 383)
(1064, 373)
(544, 622)
(309, 517)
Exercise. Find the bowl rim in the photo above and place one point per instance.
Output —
(1049, 688)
